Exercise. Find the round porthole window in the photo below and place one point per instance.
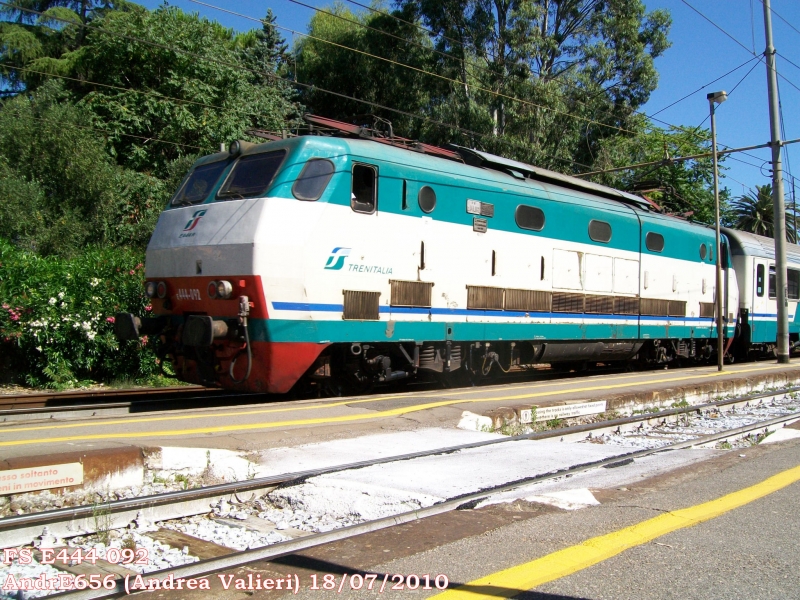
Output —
(703, 252)
(427, 199)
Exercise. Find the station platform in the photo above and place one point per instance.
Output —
(110, 447)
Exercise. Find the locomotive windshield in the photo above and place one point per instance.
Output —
(199, 184)
(252, 175)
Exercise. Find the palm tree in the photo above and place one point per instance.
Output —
(754, 213)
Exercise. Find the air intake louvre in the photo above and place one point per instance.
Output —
(528, 300)
(603, 305)
(677, 308)
(361, 306)
(707, 309)
(567, 302)
(655, 308)
(411, 293)
(484, 298)
(625, 305)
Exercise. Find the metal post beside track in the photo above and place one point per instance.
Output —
(715, 98)
(779, 214)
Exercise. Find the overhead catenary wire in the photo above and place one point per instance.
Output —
(421, 71)
(775, 12)
(761, 58)
(152, 94)
(467, 132)
(704, 86)
(564, 83)
(112, 133)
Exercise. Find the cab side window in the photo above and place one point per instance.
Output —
(364, 193)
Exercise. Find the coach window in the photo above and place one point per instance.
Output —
(426, 199)
(654, 241)
(600, 231)
(793, 281)
(313, 179)
(364, 194)
(760, 281)
(703, 252)
(252, 175)
(772, 285)
(529, 217)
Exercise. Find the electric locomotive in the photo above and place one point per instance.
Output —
(342, 261)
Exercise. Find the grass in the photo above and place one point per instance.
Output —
(102, 522)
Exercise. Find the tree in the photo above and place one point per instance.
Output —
(557, 75)
(681, 187)
(754, 212)
(182, 90)
(359, 56)
(60, 188)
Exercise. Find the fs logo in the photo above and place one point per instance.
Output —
(194, 220)
(336, 259)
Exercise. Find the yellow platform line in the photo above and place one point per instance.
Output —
(530, 575)
(318, 420)
(314, 406)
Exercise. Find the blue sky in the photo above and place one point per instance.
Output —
(700, 53)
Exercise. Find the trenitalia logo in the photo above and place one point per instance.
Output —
(194, 220)
(336, 259)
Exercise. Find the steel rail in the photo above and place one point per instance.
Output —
(465, 501)
(145, 502)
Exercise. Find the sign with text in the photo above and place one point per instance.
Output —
(563, 411)
(30, 479)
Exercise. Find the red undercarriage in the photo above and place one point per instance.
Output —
(276, 366)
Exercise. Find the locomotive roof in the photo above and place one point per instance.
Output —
(750, 244)
(484, 159)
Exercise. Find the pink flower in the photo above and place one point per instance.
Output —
(14, 317)
(148, 308)
(5, 306)
(132, 273)
(139, 266)
(110, 319)
(144, 340)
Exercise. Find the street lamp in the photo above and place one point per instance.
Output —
(715, 98)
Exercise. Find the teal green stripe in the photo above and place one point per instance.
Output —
(284, 330)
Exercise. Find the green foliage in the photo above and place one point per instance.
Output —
(344, 54)
(754, 212)
(56, 319)
(683, 187)
(59, 187)
(199, 91)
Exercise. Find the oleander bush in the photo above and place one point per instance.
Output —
(56, 322)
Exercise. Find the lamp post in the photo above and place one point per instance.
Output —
(715, 98)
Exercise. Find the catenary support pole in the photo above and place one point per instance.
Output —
(713, 99)
(779, 219)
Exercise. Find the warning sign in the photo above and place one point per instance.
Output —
(19, 481)
(562, 411)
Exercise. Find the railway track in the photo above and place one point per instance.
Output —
(21, 529)
(46, 405)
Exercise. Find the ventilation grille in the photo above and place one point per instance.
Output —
(527, 300)
(361, 306)
(567, 302)
(677, 308)
(411, 293)
(625, 305)
(707, 309)
(603, 305)
(484, 298)
(655, 308)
